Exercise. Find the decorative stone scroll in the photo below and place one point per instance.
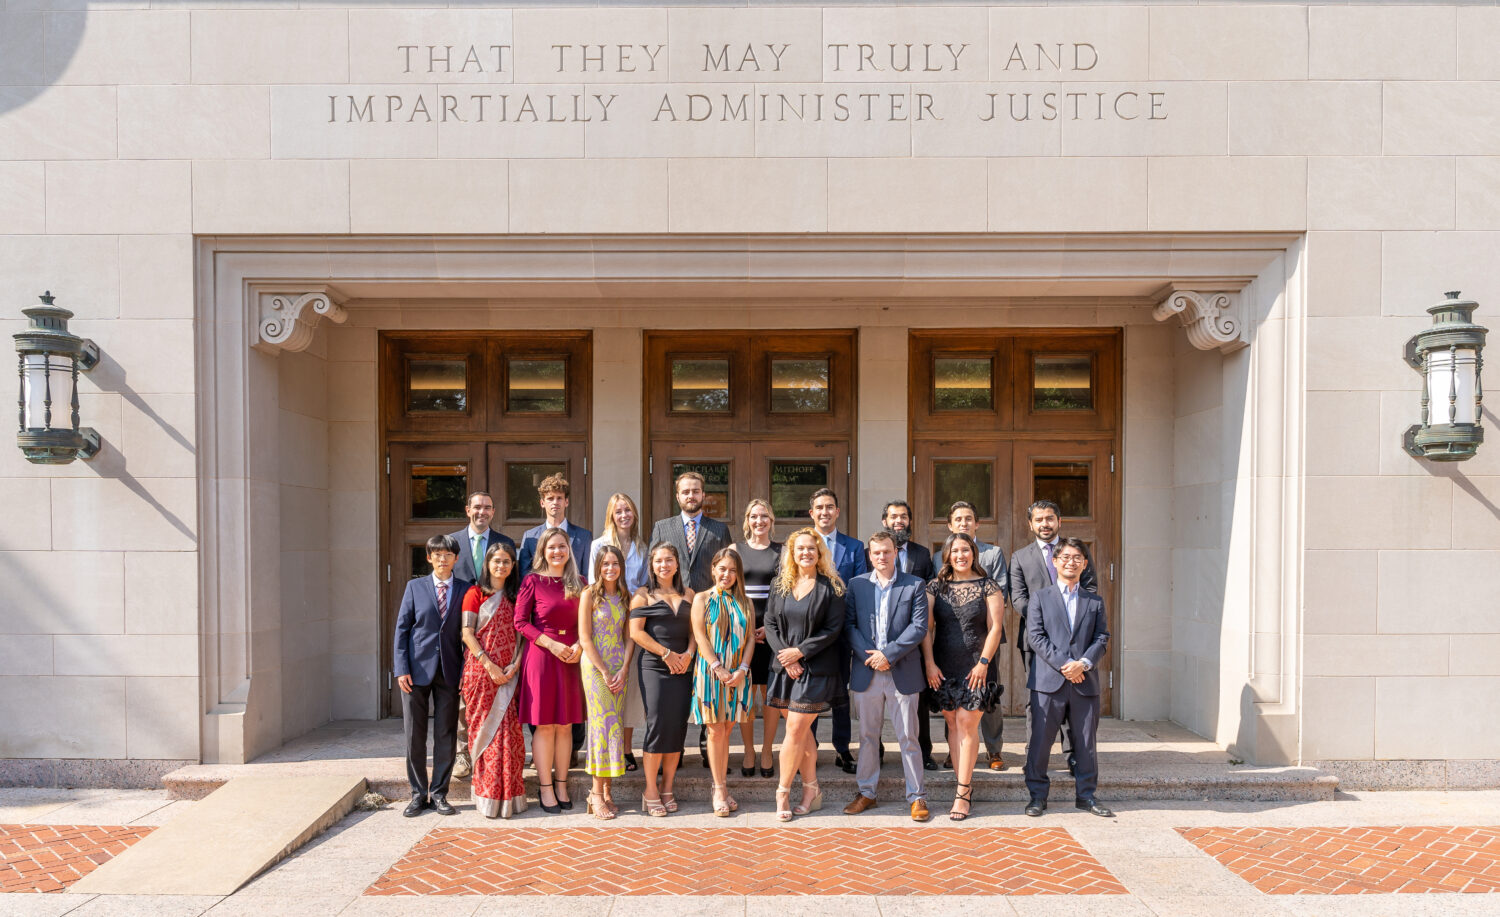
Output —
(287, 320)
(1212, 319)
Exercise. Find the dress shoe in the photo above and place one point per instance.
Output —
(997, 763)
(463, 765)
(1093, 807)
(441, 806)
(861, 802)
(1036, 806)
(1072, 764)
(415, 807)
(844, 763)
(948, 763)
(919, 811)
(929, 765)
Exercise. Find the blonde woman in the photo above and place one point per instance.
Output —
(622, 529)
(761, 559)
(804, 619)
(603, 612)
(551, 689)
(722, 622)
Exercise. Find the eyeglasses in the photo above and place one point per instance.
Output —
(1069, 559)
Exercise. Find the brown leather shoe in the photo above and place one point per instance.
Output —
(997, 763)
(861, 803)
(919, 811)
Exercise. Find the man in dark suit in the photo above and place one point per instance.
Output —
(849, 560)
(696, 535)
(885, 616)
(1031, 571)
(429, 666)
(911, 556)
(1067, 633)
(553, 492)
(473, 541)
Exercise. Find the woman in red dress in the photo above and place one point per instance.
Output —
(551, 684)
(489, 687)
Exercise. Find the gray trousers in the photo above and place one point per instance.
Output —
(871, 706)
(990, 727)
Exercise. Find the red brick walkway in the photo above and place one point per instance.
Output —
(1346, 861)
(747, 861)
(49, 858)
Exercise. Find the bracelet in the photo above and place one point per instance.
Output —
(718, 664)
(744, 668)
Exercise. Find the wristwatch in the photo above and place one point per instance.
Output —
(984, 660)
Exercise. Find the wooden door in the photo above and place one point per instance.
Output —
(725, 467)
(788, 472)
(1078, 476)
(515, 470)
(428, 484)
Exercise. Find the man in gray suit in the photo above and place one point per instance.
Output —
(1031, 571)
(885, 618)
(696, 536)
(961, 518)
(1067, 633)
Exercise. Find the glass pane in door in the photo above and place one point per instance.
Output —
(792, 487)
(1062, 382)
(700, 386)
(438, 490)
(715, 486)
(536, 386)
(419, 565)
(799, 386)
(1064, 483)
(521, 482)
(972, 482)
(963, 384)
(437, 386)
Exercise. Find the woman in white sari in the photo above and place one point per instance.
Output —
(493, 660)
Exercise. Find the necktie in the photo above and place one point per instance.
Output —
(442, 591)
(478, 555)
(1051, 570)
(691, 531)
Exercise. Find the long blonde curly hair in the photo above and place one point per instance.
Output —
(572, 583)
(787, 577)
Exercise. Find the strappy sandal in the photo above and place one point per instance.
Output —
(812, 805)
(669, 801)
(552, 809)
(597, 806)
(963, 795)
(784, 803)
(721, 801)
(630, 763)
(653, 807)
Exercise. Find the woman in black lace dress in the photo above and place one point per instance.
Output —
(967, 609)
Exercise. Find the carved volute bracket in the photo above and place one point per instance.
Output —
(1212, 319)
(286, 321)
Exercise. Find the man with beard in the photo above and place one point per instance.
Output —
(911, 556)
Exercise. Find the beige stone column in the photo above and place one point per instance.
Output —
(883, 464)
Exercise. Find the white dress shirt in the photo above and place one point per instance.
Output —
(1070, 599)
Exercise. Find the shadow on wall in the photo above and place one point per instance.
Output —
(36, 47)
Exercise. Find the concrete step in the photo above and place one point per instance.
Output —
(1123, 776)
(239, 829)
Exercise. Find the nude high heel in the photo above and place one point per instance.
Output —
(813, 804)
(783, 803)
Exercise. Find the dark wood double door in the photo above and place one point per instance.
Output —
(474, 412)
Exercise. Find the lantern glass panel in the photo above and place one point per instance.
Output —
(1444, 369)
(35, 392)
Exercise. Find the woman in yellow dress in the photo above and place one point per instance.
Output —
(722, 699)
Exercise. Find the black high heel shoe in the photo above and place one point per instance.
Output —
(768, 772)
(552, 809)
(747, 771)
(565, 804)
(703, 746)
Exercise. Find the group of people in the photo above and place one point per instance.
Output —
(587, 640)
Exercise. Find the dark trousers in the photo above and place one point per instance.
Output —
(442, 698)
(1047, 712)
(843, 730)
(1028, 657)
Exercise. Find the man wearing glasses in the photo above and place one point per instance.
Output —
(1066, 631)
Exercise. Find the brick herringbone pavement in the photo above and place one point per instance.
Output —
(49, 858)
(1346, 861)
(747, 861)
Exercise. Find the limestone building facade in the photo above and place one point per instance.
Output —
(1156, 262)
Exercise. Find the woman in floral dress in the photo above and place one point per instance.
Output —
(603, 611)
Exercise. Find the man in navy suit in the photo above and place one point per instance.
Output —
(849, 559)
(429, 666)
(1067, 631)
(885, 616)
(473, 541)
(553, 493)
(554, 498)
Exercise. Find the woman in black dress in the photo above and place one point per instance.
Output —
(761, 557)
(967, 609)
(661, 624)
(803, 621)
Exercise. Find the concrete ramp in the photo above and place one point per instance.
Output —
(228, 838)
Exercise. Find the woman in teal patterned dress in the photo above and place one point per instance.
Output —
(603, 611)
(722, 622)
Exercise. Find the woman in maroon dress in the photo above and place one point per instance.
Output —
(551, 684)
